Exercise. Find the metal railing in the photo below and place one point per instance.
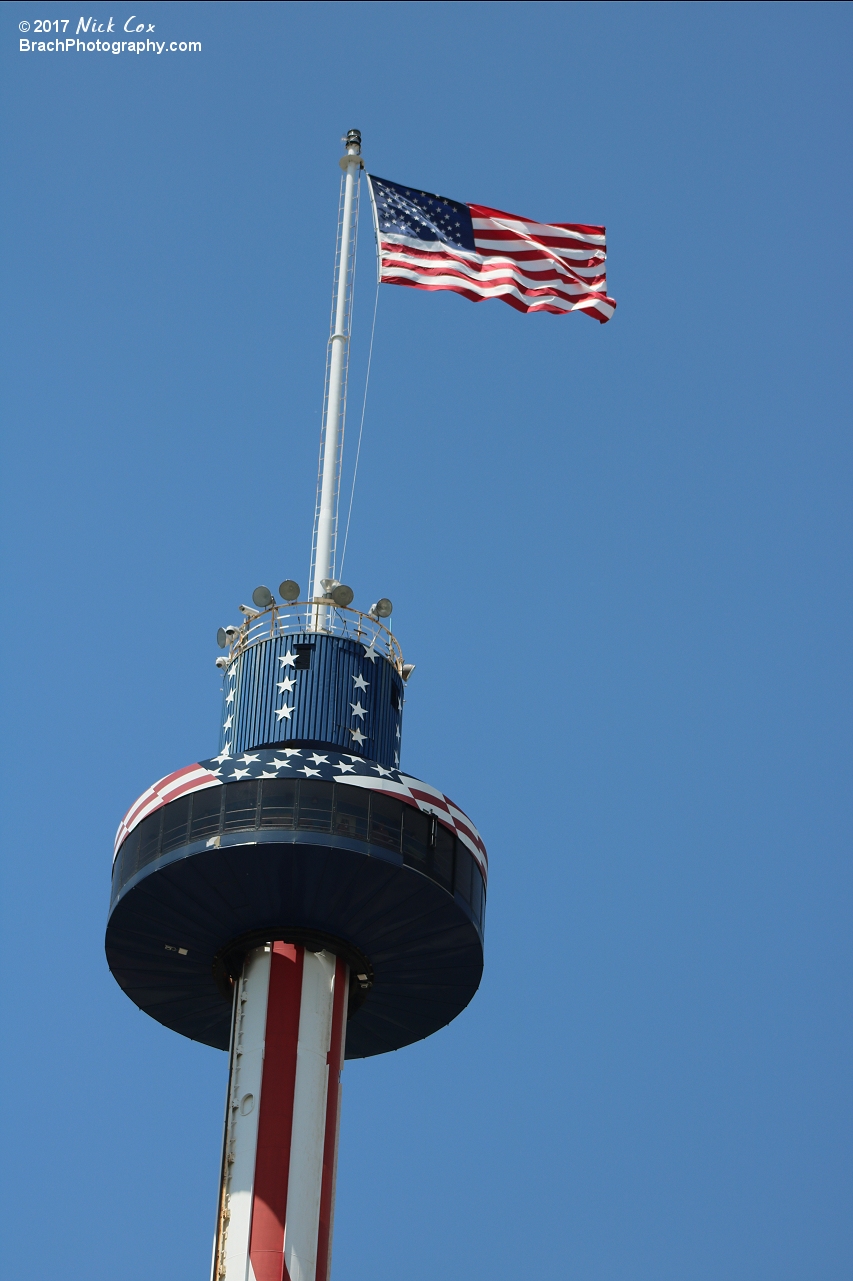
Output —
(303, 616)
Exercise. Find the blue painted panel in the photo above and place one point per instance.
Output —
(342, 694)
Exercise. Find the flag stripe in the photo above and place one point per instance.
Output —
(494, 268)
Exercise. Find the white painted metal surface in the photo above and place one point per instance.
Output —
(309, 1117)
(241, 1123)
(327, 514)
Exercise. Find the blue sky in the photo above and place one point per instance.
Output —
(619, 556)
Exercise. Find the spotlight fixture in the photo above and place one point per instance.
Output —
(289, 590)
(221, 638)
(342, 595)
(382, 609)
(263, 598)
(408, 668)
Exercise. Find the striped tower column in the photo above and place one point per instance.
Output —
(281, 1129)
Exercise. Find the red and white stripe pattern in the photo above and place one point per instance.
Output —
(268, 764)
(192, 778)
(277, 1192)
(429, 242)
(431, 801)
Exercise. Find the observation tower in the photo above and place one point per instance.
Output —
(296, 899)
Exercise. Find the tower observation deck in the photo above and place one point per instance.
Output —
(296, 899)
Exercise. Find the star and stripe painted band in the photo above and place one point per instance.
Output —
(290, 762)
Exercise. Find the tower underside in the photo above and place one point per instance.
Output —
(374, 865)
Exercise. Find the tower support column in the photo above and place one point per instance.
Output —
(277, 1193)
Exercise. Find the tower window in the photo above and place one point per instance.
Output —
(303, 657)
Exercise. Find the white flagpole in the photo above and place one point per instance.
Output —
(327, 509)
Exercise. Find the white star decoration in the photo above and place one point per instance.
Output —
(360, 682)
(288, 659)
(369, 651)
(230, 718)
(358, 736)
(229, 697)
(287, 684)
(266, 764)
(357, 709)
(284, 712)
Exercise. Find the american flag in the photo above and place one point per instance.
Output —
(430, 242)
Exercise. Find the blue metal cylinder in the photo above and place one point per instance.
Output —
(312, 687)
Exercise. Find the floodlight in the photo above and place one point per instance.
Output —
(408, 668)
(289, 590)
(262, 596)
(221, 638)
(342, 595)
(383, 608)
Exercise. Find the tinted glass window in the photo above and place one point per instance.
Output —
(241, 806)
(175, 820)
(278, 802)
(476, 892)
(149, 837)
(205, 812)
(386, 816)
(128, 859)
(417, 830)
(351, 806)
(445, 846)
(315, 805)
(463, 873)
(303, 657)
